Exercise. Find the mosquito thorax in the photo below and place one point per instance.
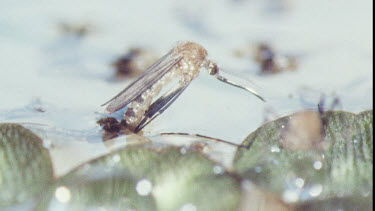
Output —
(193, 57)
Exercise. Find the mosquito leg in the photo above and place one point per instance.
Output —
(159, 106)
(204, 137)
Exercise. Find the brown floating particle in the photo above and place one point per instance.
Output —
(303, 132)
(133, 63)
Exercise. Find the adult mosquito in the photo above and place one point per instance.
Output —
(183, 62)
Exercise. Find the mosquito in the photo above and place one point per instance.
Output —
(183, 62)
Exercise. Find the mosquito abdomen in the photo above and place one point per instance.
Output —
(193, 57)
(138, 107)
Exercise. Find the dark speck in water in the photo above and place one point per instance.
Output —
(133, 63)
(112, 127)
(272, 62)
(77, 29)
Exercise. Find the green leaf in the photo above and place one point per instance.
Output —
(93, 187)
(345, 203)
(25, 165)
(342, 168)
(149, 178)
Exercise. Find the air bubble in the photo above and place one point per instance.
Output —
(183, 151)
(144, 187)
(47, 143)
(116, 158)
(258, 169)
(299, 182)
(218, 169)
(188, 207)
(317, 165)
(290, 196)
(316, 190)
(63, 194)
(275, 149)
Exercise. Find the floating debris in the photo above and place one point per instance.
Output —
(269, 60)
(77, 29)
(133, 63)
(303, 132)
(112, 127)
(111, 124)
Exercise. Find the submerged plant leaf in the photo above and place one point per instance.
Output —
(345, 203)
(341, 169)
(93, 187)
(25, 165)
(145, 178)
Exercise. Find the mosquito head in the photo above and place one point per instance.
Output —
(213, 69)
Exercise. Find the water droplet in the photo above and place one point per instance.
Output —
(183, 151)
(316, 190)
(275, 162)
(275, 149)
(86, 167)
(144, 187)
(365, 193)
(299, 182)
(290, 196)
(206, 149)
(47, 143)
(218, 169)
(188, 207)
(258, 169)
(63, 194)
(317, 165)
(116, 158)
(355, 141)
(102, 209)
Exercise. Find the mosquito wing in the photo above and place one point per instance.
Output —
(143, 82)
(160, 105)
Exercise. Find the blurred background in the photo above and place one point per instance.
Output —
(60, 60)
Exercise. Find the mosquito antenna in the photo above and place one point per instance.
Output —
(221, 78)
(203, 137)
(214, 71)
(238, 75)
